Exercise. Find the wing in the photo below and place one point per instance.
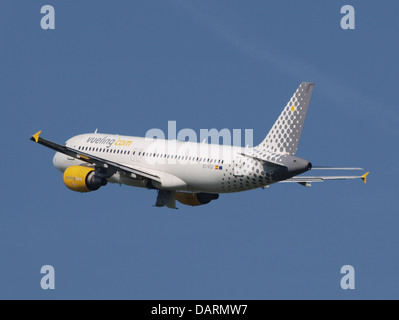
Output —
(110, 166)
(307, 181)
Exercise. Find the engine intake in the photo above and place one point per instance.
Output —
(83, 179)
(196, 199)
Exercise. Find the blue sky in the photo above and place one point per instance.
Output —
(129, 66)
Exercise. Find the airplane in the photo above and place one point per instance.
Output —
(191, 173)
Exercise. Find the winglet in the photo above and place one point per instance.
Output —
(364, 177)
(36, 136)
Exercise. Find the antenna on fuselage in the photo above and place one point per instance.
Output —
(95, 132)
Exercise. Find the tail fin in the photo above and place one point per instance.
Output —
(285, 134)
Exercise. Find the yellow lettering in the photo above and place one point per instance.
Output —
(123, 143)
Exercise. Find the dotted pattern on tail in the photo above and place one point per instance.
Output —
(284, 136)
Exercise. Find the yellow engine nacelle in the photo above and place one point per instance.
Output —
(196, 199)
(83, 179)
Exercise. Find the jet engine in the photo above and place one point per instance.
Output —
(196, 199)
(83, 179)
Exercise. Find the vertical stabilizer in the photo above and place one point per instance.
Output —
(285, 134)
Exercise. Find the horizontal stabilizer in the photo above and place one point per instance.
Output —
(334, 168)
(307, 180)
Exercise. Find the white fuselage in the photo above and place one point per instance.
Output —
(183, 166)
